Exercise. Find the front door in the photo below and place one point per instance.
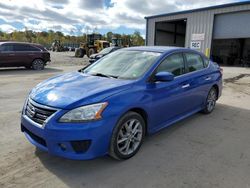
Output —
(7, 55)
(170, 100)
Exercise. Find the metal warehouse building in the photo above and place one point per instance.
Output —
(221, 32)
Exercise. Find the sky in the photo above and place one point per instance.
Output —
(76, 17)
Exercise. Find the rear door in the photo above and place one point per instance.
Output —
(198, 79)
(32, 52)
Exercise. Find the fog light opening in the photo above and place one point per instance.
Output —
(62, 146)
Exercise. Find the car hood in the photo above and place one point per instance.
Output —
(75, 89)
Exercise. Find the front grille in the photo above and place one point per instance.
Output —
(37, 113)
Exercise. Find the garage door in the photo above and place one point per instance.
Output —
(232, 25)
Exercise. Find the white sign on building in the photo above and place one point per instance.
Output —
(195, 45)
(198, 36)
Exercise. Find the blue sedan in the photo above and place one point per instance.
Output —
(111, 105)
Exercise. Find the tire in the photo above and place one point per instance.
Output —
(81, 53)
(91, 51)
(84, 52)
(38, 64)
(77, 52)
(127, 136)
(210, 101)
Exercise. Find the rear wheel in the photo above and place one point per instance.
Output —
(211, 101)
(127, 136)
(38, 64)
(91, 51)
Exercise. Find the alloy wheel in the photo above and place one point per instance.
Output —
(211, 100)
(38, 64)
(129, 137)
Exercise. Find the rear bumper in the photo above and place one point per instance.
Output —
(220, 86)
(48, 60)
(74, 141)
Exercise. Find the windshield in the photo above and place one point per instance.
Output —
(124, 64)
(105, 50)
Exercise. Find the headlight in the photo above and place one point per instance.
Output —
(84, 113)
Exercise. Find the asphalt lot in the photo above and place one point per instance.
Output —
(201, 151)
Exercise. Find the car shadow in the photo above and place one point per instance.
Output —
(164, 156)
(21, 71)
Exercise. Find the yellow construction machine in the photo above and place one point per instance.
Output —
(94, 44)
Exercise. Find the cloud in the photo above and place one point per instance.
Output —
(56, 2)
(76, 16)
(7, 28)
(149, 7)
(92, 4)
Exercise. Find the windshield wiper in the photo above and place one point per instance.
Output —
(104, 75)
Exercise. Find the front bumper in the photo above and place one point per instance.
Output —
(80, 141)
(46, 57)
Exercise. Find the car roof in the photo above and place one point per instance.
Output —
(15, 42)
(161, 49)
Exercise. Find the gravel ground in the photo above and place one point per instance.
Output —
(66, 59)
(201, 151)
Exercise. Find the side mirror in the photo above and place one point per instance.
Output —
(164, 76)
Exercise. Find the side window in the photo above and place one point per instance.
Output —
(32, 48)
(25, 48)
(206, 62)
(7, 48)
(173, 64)
(194, 62)
(20, 48)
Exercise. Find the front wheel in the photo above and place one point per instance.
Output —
(210, 101)
(127, 136)
(38, 64)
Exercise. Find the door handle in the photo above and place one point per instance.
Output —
(185, 86)
(208, 78)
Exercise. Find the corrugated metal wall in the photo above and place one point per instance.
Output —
(197, 22)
